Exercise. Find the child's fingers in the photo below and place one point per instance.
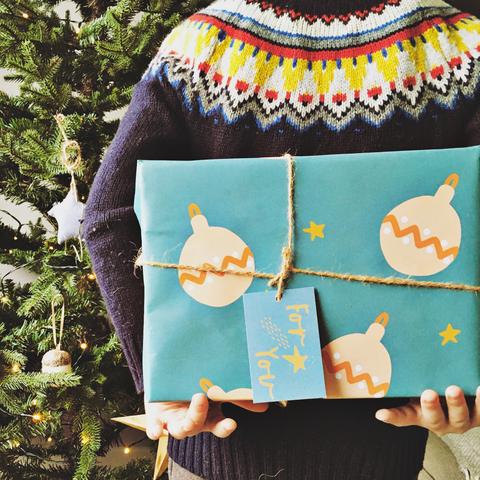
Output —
(196, 414)
(221, 427)
(476, 410)
(155, 428)
(458, 413)
(401, 416)
(433, 416)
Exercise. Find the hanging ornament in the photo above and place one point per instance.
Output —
(57, 360)
(422, 235)
(214, 247)
(69, 212)
(358, 365)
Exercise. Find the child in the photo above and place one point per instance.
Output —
(251, 78)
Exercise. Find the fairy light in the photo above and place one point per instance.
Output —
(127, 450)
(10, 251)
(50, 247)
(25, 15)
(83, 345)
(49, 439)
(15, 237)
(37, 417)
(91, 276)
(85, 438)
(4, 299)
(34, 402)
(15, 368)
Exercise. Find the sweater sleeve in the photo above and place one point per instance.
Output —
(150, 129)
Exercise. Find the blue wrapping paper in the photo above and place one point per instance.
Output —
(412, 214)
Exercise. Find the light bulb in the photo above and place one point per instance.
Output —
(127, 450)
(37, 417)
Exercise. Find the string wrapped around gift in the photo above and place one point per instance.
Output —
(287, 267)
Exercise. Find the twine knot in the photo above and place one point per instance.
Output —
(286, 269)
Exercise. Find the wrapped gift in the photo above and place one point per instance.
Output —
(389, 241)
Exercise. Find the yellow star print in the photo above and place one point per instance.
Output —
(315, 230)
(297, 360)
(449, 335)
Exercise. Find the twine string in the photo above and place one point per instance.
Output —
(280, 280)
(53, 318)
(71, 154)
(287, 266)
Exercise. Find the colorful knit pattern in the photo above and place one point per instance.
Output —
(245, 57)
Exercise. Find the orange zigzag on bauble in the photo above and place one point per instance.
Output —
(419, 243)
(199, 277)
(351, 378)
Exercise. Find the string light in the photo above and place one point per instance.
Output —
(85, 438)
(50, 247)
(4, 299)
(25, 15)
(15, 368)
(10, 251)
(91, 276)
(15, 237)
(127, 450)
(37, 417)
(83, 345)
(34, 401)
(49, 439)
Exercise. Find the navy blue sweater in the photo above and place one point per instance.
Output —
(308, 77)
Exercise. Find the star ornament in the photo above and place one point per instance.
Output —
(315, 230)
(297, 360)
(449, 335)
(139, 422)
(68, 214)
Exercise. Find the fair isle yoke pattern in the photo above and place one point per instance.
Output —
(244, 57)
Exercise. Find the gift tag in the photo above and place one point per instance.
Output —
(284, 345)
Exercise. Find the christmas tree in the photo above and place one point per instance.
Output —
(71, 75)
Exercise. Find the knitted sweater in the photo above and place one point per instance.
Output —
(248, 78)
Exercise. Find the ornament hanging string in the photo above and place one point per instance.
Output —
(287, 266)
(71, 155)
(53, 317)
(71, 159)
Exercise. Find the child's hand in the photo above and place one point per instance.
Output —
(185, 419)
(428, 413)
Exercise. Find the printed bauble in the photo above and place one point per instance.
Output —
(422, 235)
(222, 249)
(358, 365)
(56, 361)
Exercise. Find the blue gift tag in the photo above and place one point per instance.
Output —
(284, 345)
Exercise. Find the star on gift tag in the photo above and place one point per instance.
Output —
(449, 335)
(139, 422)
(296, 359)
(68, 214)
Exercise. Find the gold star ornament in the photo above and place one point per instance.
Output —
(139, 422)
(315, 230)
(449, 335)
(297, 360)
